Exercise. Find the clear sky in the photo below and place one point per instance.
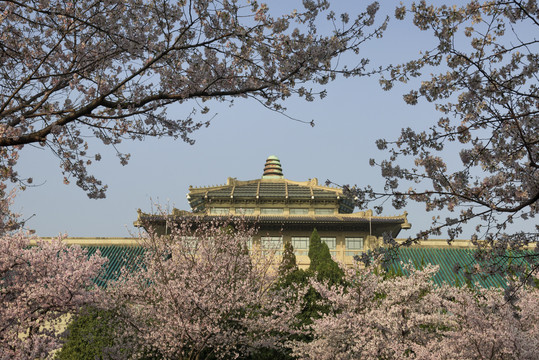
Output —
(355, 113)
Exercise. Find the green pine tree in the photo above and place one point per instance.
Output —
(88, 335)
(288, 262)
(322, 264)
(325, 269)
(289, 273)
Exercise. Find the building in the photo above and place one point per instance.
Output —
(287, 210)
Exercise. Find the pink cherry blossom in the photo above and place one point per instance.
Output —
(39, 286)
(201, 292)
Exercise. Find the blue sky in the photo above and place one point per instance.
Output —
(355, 113)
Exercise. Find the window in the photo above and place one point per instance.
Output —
(300, 244)
(354, 245)
(274, 211)
(323, 211)
(248, 243)
(245, 211)
(190, 243)
(219, 211)
(299, 211)
(330, 241)
(271, 243)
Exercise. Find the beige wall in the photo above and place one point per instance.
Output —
(442, 243)
(340, 253)
(97, 241)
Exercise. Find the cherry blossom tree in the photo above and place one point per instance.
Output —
(373, 318)
(39, 286)
(484, 81)
(201, 294)
(486, 326)
(408, 317)
(9, 221)
(109, 69)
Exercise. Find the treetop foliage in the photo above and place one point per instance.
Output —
(201, 295)
(322, 265)
(88, 335)
(108, 69)
(205, 297)
(400, 317)
(484, 81)
(288, 262)
(39, 286)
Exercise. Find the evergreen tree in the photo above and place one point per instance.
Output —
(322, 265)
(289, 273)
(324, 268)
(88, 335)
(315, 250)
(288, 262)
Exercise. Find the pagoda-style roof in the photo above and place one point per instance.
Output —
(268, 189)
(272, 187)
(273, 203)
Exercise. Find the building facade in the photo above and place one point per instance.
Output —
(286, 210)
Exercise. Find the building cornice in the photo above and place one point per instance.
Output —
(375, 225)
(95, 241)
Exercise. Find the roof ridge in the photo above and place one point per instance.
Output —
(236, 183)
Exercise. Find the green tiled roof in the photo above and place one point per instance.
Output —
(118, 258)
(261, 190)
(131, 256)
(246, 190)
(446, 258)
(268, 190)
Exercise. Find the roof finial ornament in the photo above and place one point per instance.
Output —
(273, 169)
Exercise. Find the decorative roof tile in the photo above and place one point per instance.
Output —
(445, 258)
(119, 257)
(269, 189)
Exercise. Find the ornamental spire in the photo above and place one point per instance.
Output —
(273, 169)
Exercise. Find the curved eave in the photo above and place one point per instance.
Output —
(375, 225)
(279, 218)
(198, 202)
(268, 189)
